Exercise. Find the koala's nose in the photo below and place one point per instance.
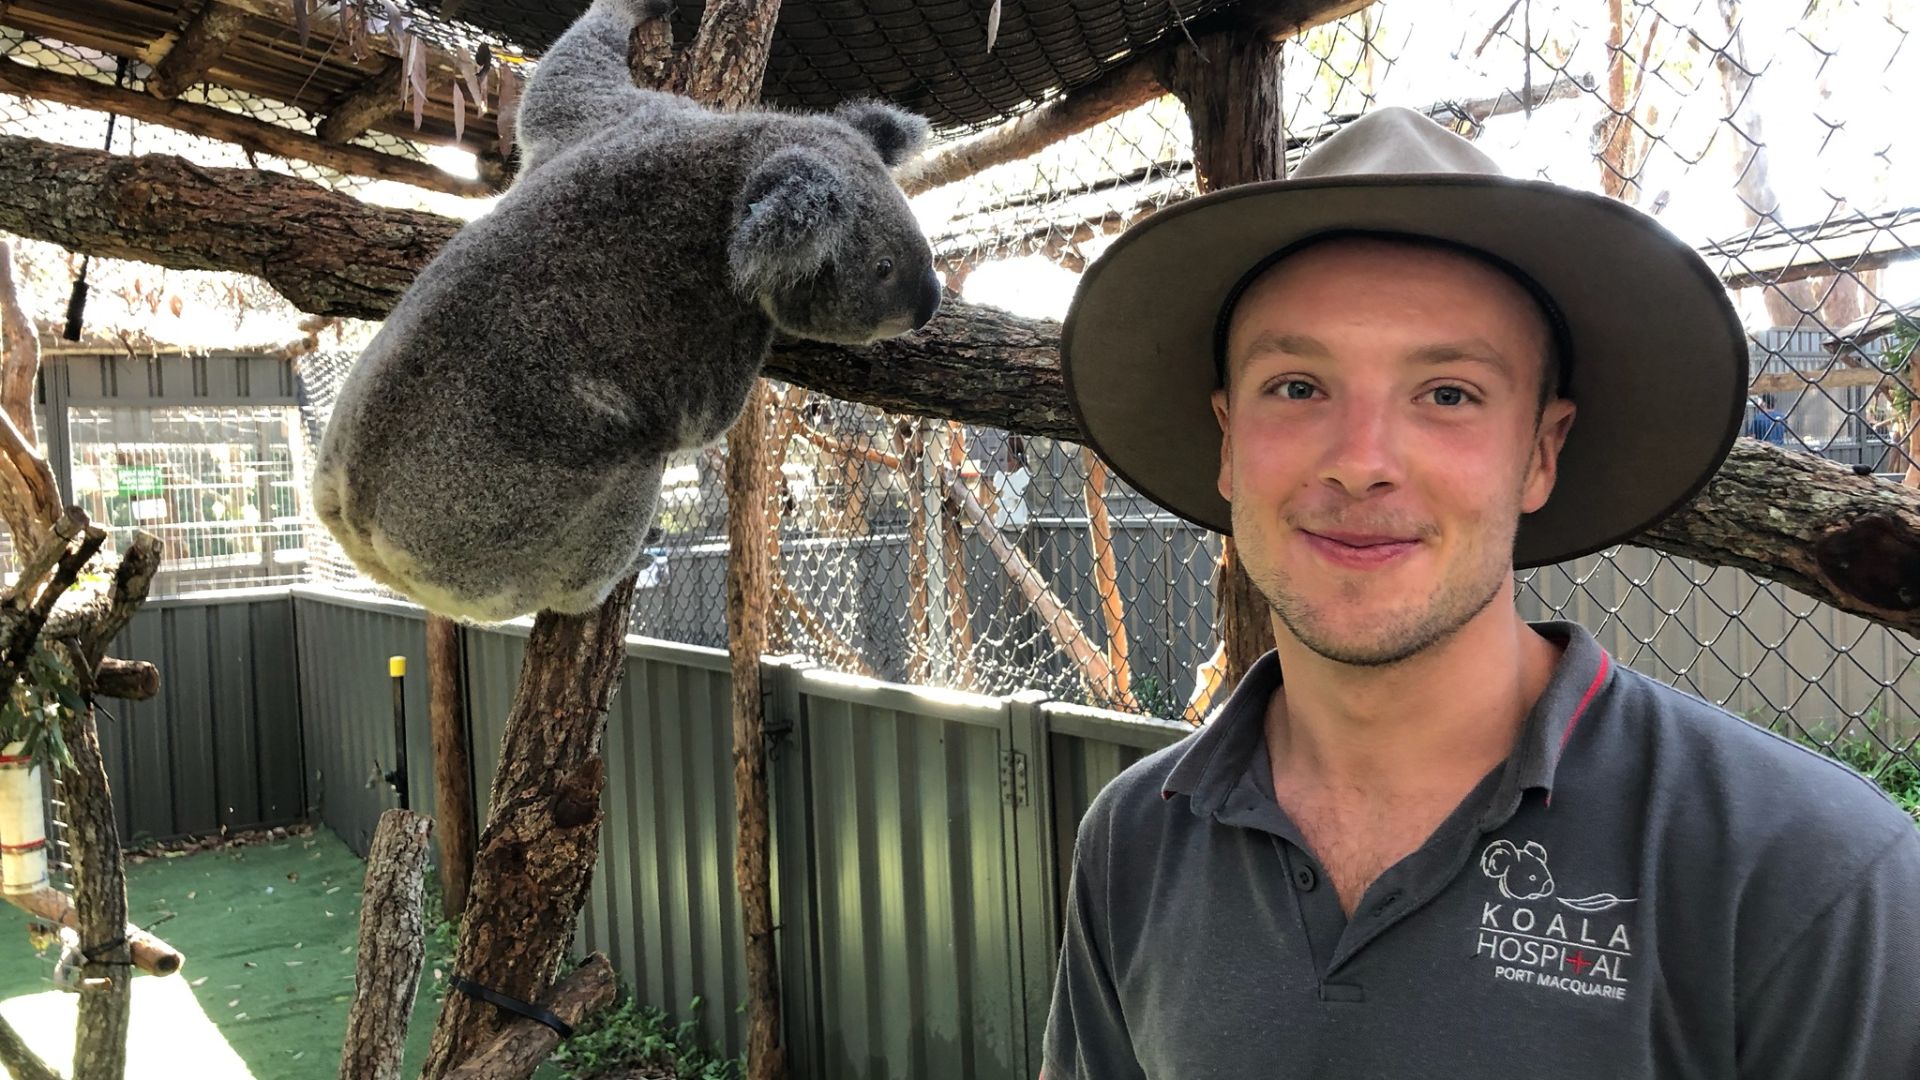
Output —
(929, 300)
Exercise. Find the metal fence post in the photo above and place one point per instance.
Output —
(792, 869)
(1032, 871)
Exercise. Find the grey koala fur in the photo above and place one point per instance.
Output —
(498, 448)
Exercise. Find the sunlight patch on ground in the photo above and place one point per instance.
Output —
(168, 1035)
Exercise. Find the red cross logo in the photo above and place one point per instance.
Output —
(1580, 962)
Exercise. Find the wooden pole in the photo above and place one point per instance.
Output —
(150, 954)
(1106, 579)
(1230, 84)
(913, 453)
(1066, 630)
(392, 948)
(452, 761)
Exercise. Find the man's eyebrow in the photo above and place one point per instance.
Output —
(1269, 341)
(1472, 351)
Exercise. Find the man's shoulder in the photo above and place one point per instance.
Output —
(1140, 788)
(1713, 762)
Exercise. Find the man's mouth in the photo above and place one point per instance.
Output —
(1361, 551)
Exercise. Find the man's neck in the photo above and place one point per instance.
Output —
(1434, 723)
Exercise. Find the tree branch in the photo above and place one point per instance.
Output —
(20, 1061)
(329, 254)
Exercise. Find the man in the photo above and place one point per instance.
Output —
(1768, 424)
(1424, 838)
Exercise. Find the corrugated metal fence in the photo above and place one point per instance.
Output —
(920, 837)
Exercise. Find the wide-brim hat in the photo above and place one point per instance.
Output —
(1657, 359)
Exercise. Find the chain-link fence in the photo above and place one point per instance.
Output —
(1771, 137)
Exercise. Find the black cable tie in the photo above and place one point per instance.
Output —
(105, 946)
(531, 1012)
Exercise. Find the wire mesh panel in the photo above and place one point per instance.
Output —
(218, 486)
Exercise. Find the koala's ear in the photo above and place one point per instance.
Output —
(897, 134)
(1493, 862)
(1534, 849)
(793, 212)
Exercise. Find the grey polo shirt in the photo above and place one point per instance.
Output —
(1647, 887)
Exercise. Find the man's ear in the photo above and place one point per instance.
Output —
(792, 214)
(1225, 480)
(1549, 438)
(897, 134)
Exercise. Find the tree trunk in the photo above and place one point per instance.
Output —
(1230, 84)
(100, 899)
(750, 555)
(452, 761)
(392, 948)
(973, 364)
(521, 1048)
(537, 852)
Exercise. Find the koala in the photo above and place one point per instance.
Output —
(1521, 871)
(498, 448)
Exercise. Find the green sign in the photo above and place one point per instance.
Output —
(140, 480)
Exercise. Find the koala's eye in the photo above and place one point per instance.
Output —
(884, 268)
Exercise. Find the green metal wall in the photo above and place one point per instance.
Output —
(920, 837)
(346, 706)
(219, 746)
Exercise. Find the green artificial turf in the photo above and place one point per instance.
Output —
(269, 932)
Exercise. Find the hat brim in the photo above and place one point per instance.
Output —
(1659, 358)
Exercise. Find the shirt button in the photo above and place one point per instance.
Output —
(1304, 878)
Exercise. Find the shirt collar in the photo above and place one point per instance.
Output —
(1220, 755)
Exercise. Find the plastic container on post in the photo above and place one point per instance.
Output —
(23, 823)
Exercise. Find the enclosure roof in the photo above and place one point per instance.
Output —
(930, 56)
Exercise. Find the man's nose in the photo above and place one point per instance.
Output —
(1364, 453)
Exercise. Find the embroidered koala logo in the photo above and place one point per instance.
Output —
(1521, 872)
(1523, 875)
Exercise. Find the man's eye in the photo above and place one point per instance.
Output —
(1451, 395)
(1296, 390)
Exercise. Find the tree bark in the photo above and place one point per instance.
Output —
(100, 899)
(452, 761)
(1230, 84)
(1116, 92)
(537, 852)
(369, 103)
(19, 350)
(332, 255)
(206, 36)
(750, 555)
(392, 948)
(327, 253)
(19, 1059)
(521, 1048)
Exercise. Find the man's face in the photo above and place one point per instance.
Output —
(1381, 436)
